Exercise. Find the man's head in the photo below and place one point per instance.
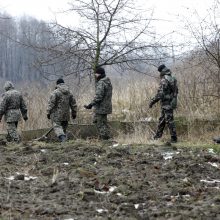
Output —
(8, 85)
(100, 73)
(163, 70)
(60, 80)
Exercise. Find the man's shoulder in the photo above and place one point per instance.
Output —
(170, 78)
(11, 93)
(55, 91)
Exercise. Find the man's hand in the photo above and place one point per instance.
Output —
(25, 118)
(73, 115)
(48, 116)
(89, 106)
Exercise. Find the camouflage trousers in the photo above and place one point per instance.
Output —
(60, 127)
(12, 132)
(101, 122)
(166, 118)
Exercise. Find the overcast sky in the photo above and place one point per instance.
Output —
(43, 9)
(168, 10)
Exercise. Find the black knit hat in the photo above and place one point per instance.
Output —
(100, 71)
(60, 81)
(161, 67)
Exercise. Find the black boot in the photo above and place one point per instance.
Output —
(62, 138)
(173, 139)
(157, 136)
(216, 140)
(104, 137)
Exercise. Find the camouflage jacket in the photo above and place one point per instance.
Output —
(167, 92)
(13, 104)
(102, 101)
(60, 102)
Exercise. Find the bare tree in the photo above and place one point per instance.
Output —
(111, 32)
(206, 51)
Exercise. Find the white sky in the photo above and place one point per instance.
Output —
(163, 9)
(43, 9)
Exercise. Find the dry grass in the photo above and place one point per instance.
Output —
(130, 103)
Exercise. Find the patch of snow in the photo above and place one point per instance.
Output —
(187, 196)
(111, 189)
(210, 150)
(119, 194)
(136, 206)
(210, 181)
(101, 210)
(10, 178)
(27, 178)
(214, 164)
(148, 119)
(186, 180)
(101, 192)
(169, 155)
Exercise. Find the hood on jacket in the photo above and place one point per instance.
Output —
(63, 88)
(164, 72)
(106, 80)
(8, 85)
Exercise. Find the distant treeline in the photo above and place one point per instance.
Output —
(19, 55)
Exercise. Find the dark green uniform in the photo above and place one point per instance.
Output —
(60, 102)
(12, 107)
(167, 95)
(102, 103)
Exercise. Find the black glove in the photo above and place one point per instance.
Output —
(48, 116)
(151, 104)
(89, 106)
(73, 115)
(25, 118)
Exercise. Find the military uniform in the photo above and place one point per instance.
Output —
(102, 103)
(167, 95)
(12, 107)
(60, 102)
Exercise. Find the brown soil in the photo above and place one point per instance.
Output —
(90, 180)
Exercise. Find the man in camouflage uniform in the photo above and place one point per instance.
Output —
(167, 95)
(60, 102)
(12, 107)
(102, 103)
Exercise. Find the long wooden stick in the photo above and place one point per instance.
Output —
(44, 136)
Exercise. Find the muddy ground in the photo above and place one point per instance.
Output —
(83, 180)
